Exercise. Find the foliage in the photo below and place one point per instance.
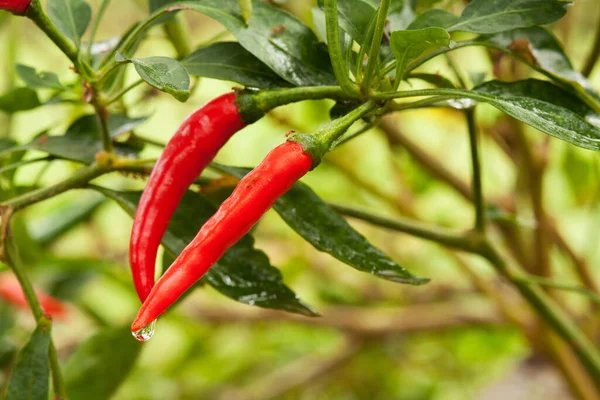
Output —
(350, 53)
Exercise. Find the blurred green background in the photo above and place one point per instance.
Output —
(376, 339)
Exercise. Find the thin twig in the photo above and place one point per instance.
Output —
(478, 199)
(448, 238)
(360, 322)
(593, 56)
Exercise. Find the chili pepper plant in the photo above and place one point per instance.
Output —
(335, 83)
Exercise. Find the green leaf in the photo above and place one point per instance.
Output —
(229, 61)
(434, 17)
(163, 73)
(77, 145)
(101, 364)
(52, 225)
(243, 273)
(20, 99)
(118, 124)
(76, 148)
(312, 219)
(38, 80)
(544, 106)
(30, 377)
(409, 45)
(272, 35)
(540, 49)
(355, 16)
(154, 5)
(485, 16)
(71, 17)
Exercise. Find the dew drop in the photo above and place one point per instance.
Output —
(146, 333)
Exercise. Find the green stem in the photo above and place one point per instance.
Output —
(178, 36)
(58, 382)
(376, 44)
(94, 30)
(365, 128)
(454, 68)
(419, 103)
(456, 93)
(20, 164)
(447, 238)
(254, 104)
(335, 48)
(9, 67)
(36, 13)
(422, 60)
(101, 112)
(360, 60)
(550, 312)
(14, 262)
(478, 199)
(78, 179)
(546, 282)
(123, 92)
(592, 58)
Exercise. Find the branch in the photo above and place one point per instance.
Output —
(552, 314)
(78, 179)
(361, 322)
(592, 58)
(447, 238)
(478, 199)
(13, 260)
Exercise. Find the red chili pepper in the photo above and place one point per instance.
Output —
(17, 7)
(191, 149)
(10, 290)
(252, 197)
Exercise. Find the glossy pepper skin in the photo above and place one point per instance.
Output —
(189, 151)
(11, 292)
(252, 197)
(17, 7)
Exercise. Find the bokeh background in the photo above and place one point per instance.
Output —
(376, 339)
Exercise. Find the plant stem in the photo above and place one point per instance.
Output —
(8, 66)
(123, 92)
(325, 139)
(365, 128)
(58, 382)
(549, 311)
(41, 19)
(335, 48)
(419, 103)
(178, 36)
(78, 179)
(546, 282)
(96, 24)
(478, 199)
(376, 44)
(592, 58)
(534, 174)
(101, 115)
(14, 262)
(254, 104)
(447, 238)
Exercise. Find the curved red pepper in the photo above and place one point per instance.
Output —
(17, 7)
(11, 292)
(252, 197)
(189, 151)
